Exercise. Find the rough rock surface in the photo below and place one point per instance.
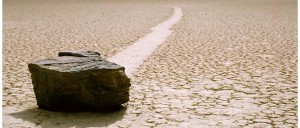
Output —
(79, 80)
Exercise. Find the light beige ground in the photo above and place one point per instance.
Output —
(39, 29)
(227, 63)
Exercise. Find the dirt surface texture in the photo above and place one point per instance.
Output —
(227, 63)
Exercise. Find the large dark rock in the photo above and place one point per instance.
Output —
(79, 81)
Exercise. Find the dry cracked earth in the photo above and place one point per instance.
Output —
(227, 63)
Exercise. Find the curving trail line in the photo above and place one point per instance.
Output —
(134, 55)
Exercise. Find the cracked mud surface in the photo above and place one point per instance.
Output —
(227, 64)
(34, 30)
(232, 68)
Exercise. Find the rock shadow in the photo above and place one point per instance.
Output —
(50, 119)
